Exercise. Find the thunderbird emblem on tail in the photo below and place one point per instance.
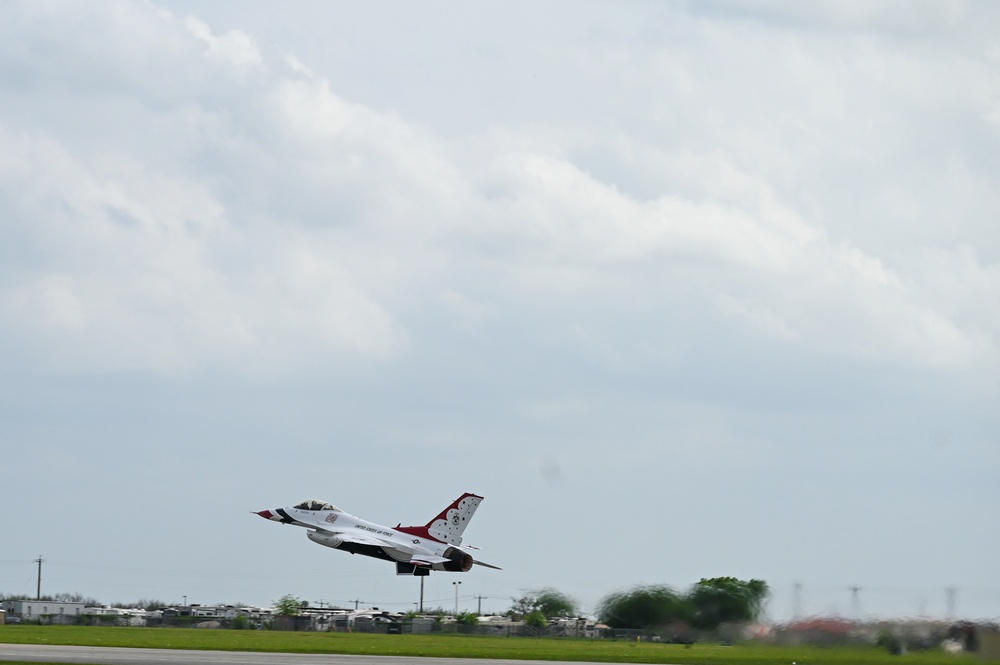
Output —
(417, 550)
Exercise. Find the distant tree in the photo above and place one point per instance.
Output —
(148, 604)
(554, 603)
(437, 611)
(68, 598)
(548, 602)
(522, 606)
(644, 606)
(535, 619)
(726, 599)
(288, 606)
(467, 618)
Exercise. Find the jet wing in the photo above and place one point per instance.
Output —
(358, 538)
(397, 551)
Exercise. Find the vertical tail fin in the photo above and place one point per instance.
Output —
(450, 523)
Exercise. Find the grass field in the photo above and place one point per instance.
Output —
(456, 646)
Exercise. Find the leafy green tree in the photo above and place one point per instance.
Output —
(643, 607)
(548, 602)
(437, 611)
(535, 619)
(467, 618)
(552, 603)
(522, 606)
(726, 599)
(288, 605)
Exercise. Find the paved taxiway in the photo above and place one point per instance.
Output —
(39, 653)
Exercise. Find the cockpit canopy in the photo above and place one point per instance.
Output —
(315, 504)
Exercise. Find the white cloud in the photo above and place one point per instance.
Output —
(234, 47)
(752, 255)
(274, 221)
(311, 109)
(135, 275)
(902, 16)
(472, 314)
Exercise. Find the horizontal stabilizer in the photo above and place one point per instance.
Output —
(487, 565)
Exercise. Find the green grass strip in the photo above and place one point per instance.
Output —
(459, 646)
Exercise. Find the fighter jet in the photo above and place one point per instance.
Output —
(416, 550)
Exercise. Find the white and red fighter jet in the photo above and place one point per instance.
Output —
(417, 550)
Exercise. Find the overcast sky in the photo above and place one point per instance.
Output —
(683, 289)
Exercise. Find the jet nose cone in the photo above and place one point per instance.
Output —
(266, 514)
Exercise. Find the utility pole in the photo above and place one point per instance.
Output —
(455, 584)
(38, 589)
(356, 601)
(855, 602)
(421, 610)
(479, 607)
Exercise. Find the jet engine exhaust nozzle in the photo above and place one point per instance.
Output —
(460, 562)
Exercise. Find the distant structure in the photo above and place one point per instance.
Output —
(46, 611)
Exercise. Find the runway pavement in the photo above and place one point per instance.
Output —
(121, 656)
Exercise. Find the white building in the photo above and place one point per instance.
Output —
(44, 611)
